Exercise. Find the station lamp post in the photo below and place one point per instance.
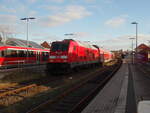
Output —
(27, 20)
(69, 34)
(136, 38)
(132, 50)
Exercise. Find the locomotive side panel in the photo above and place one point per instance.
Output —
(77, 55)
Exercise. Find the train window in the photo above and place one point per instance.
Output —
(3, 53)
(14, 53)
(74, 48)
(21, 53)
(93, 55)
(59, 46)
(87, 52)
(11, 53)
(31, 54)
(34, 54)
(45, 56)
(8, 53)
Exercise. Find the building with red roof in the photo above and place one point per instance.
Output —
(143, 53)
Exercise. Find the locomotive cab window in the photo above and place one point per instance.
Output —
(58, 46)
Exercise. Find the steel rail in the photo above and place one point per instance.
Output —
(67, 92)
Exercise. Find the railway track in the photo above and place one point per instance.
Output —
(74, 99)
(11, 95)
(14, 90)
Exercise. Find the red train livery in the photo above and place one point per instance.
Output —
(12, 56)
(69, 53)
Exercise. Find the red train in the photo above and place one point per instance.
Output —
(69, 53)
(12, 56)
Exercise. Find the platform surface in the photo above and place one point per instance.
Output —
(122, 93)
(141, 80)
(112, 98)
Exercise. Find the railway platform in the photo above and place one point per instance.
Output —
(123, 92)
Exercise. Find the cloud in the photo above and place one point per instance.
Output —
(90, 1)
(82, 34)
(123, 42)
(42, 37)
(7, 31)
(6, 9)
(57, 1)
(51, 8)
(32, 1)
(8, 19)
(108, 1)
(117, 21)
(70, 13)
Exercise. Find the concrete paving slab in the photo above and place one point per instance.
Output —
(112, 98)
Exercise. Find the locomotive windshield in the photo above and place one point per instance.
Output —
(59, 46)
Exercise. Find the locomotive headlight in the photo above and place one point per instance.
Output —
(64, 57)
(52, 57)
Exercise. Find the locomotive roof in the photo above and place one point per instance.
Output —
(87, 45)
(20, 43)
(84, 44)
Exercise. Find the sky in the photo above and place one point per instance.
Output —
(106, 23)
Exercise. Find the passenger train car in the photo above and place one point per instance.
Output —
(69, 54)
(12, 56)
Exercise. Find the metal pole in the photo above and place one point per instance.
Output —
(132, 49)
(136, 51)
(27, 20)
(27, 33)
(136, 41)
(27, 39)
(132, 53)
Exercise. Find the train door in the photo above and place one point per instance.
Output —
(38, 57)
(102, 57)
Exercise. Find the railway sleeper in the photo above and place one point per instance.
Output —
(61, 109)
(66, 104)
(68, 101)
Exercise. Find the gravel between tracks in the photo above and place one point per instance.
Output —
(56, 87)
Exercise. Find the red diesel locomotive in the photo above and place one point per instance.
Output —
(68, 54)
(12, 56)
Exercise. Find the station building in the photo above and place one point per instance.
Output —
(143, 53)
